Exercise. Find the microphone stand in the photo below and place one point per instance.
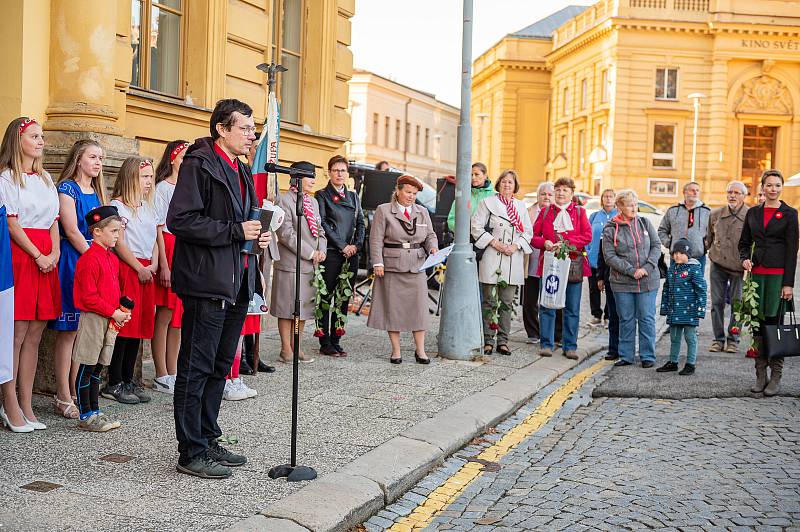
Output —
(292, 471)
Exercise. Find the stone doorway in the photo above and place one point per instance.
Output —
(758, 153)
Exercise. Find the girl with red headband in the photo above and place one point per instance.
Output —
(81, 188)
(31, 202)
(138, 258)
(166, 334)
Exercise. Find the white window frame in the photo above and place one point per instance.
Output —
(665, 84)
(664, 156)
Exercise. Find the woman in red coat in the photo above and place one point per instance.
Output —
(563, 221)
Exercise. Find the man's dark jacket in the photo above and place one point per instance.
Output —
(206, 215)
(342, 219)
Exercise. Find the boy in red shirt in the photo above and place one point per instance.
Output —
(97, 295)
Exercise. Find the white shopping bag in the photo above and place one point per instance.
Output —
(553, 289)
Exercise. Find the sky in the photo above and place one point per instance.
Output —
(418, 42)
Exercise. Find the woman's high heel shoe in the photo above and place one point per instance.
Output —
(37, 425)
(421, 360)
(7, 423)
(398, 360)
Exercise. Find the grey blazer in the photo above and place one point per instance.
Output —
(287, 236)
(388, 228)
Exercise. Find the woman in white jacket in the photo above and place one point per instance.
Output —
(502, 228)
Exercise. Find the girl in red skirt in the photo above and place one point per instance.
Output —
(166, 335)
(138, 260)
(31, 202)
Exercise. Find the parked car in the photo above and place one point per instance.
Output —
(647, 210)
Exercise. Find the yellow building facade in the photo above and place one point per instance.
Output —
(135, 74)
(410, 129)
(608, 97)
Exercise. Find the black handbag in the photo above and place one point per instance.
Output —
(783, 339)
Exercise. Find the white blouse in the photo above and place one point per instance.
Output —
(140, 228)
(164, 192)
(35, 205)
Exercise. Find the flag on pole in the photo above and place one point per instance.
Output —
(6, 302)
(267, 152)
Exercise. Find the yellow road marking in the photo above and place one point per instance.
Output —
(447, 493)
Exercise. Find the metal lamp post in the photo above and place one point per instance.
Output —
(695, 97)
(460, 330)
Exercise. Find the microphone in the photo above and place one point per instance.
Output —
(272, 168)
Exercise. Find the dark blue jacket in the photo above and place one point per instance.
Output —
(683, 300)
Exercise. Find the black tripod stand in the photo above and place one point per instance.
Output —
(292, 471)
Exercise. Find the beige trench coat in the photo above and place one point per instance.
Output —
(512, 268)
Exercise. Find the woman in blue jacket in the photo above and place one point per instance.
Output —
(598, 221)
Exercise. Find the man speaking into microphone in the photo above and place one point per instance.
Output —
(209, 217)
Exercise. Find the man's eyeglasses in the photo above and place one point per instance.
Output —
(247, 130)
(338, 171)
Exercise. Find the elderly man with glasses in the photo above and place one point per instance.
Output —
(724, 229)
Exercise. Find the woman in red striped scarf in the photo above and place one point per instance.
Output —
(501, 226)
(312, 252)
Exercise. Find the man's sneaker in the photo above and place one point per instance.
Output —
(545, 352)
(233, 392)
(95, 423)
(164, 384)
(223, 456)
(716, 347)
(532, 340)
(688, 369)
(605, 323)
(571, 354)
(138, 390)
(732, 347)
(120, 393)
(204, 467)
(647, 364)
(594, 322)
(248, 390)
(113, 422)
(669, 366)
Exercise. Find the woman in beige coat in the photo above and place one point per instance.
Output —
(501, 270)
(312, 251)
(401, 236)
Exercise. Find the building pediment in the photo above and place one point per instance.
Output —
(763, 95)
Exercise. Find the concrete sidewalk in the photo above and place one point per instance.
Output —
(353, 411)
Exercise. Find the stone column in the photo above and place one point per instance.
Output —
(83, 62)
(718, 142)
(83, 55)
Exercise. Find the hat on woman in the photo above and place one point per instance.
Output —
(409, 180)
(682, 245)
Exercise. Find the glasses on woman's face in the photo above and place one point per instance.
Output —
(338, 171)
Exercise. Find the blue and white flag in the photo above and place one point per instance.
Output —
(267, 152)
(6, 302)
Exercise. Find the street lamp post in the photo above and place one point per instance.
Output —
(695, 97)
(460, 330)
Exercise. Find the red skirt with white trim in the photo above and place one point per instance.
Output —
(252, 325)
(143, 316)
(165, 297)
(37, 295)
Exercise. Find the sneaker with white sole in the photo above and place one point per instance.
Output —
(233, 392)
(594, 322)
(164, 384)
(248, 390)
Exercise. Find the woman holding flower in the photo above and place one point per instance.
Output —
(501, 226)
(563, 224)
(768, 250)
(312, 252)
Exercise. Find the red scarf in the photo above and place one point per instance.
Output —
(308, 212)
(513, 215)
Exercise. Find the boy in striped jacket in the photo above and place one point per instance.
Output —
(683, 302)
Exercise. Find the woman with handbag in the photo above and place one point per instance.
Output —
(768, 249)
(563, 223)
(631, 248)
(501, 268)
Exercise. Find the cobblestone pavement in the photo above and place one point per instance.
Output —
(627, 463)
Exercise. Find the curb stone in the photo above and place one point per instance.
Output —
(345, 498)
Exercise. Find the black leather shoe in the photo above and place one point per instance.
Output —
(612, 356)
(421, 360)
(265, 368)
(669, 366)
(647, 364)
(620, 363)
(329, 351)
(342, 352)
(398, 360)
(245, 368)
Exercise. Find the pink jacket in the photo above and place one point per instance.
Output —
(579, 237)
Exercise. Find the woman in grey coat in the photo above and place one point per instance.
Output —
(631, 248)
(312, 251)
(400, 238)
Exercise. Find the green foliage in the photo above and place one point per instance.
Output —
(745, 310)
